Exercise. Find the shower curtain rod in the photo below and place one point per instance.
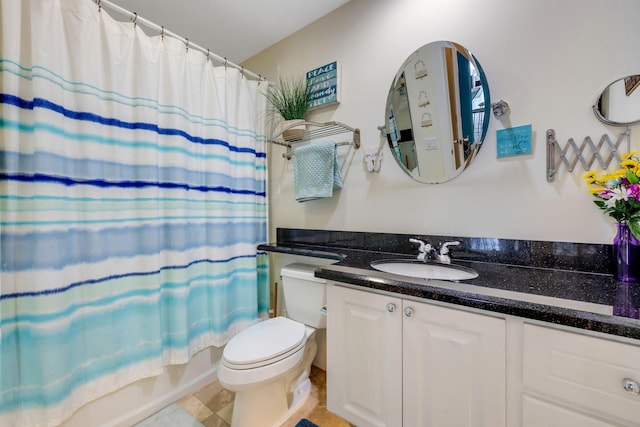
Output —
(163, 31)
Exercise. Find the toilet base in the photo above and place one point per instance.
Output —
(299, 396)
(268, 403)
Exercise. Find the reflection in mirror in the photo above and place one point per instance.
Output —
(437, 112)
(619, 103)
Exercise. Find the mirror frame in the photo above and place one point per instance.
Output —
(634, 85)
(447, 90)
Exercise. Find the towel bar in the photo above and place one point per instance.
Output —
(315, 131)
(289, 153)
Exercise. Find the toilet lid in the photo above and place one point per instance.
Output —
(264, 341)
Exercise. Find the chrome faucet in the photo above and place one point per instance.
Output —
(443, 254)
(424, 250)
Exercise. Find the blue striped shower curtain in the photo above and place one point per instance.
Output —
(132, 198)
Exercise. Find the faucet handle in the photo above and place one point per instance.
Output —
(444, 249)
(420, 242)
(424, 248)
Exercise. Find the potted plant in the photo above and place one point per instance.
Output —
(288, 97)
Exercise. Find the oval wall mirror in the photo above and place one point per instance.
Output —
(437, 112)
(619, 102)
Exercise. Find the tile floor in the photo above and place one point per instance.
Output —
(212, 406)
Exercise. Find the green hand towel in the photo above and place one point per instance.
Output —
(316, 172)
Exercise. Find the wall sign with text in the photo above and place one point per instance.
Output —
(514, 141)
(322, 86)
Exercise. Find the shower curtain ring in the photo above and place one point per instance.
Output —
(225, 62)
(134, 18)
(99, 2)
(207, 54)
(187, 44)
(162, 33)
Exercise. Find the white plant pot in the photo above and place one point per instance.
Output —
(293, 133)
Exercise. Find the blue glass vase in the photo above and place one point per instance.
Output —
(626, 254)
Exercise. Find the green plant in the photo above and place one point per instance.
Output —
(288, 97)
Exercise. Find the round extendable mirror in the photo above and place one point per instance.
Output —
(619, 102)
(437, 112)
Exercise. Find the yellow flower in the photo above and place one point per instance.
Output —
(629, 155)
(591, 177)
(614, 175)
(596, 190)
(631, 165)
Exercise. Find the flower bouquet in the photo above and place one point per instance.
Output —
(618, 195)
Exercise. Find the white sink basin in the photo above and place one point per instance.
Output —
(425, 270)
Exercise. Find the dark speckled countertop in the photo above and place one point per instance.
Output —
(563, 283)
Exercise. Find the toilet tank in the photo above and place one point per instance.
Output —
(305, 295)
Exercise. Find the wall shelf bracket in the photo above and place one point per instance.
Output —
(314, 131)
(557, 156)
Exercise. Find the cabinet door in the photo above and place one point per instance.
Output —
(454, 367)
(364, 357)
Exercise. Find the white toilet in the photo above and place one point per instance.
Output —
(267, 365)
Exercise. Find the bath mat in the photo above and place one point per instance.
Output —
(305, 423)
(172, 415)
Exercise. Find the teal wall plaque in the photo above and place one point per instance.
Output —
(514, 141)
(323, 85)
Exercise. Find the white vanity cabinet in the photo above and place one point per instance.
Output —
(397, 362)
(573, 379)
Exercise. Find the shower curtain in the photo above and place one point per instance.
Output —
(132, 198)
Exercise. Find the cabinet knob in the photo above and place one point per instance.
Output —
(408, 311)
(631, 386)
(391, 307)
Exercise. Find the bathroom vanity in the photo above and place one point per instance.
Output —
(543, 336)
(394, 361)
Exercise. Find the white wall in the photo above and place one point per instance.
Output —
(548, 59)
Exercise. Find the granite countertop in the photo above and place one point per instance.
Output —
(589, 300)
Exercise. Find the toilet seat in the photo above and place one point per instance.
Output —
(264, 343)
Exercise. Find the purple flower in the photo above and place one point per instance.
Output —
(634, 191)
